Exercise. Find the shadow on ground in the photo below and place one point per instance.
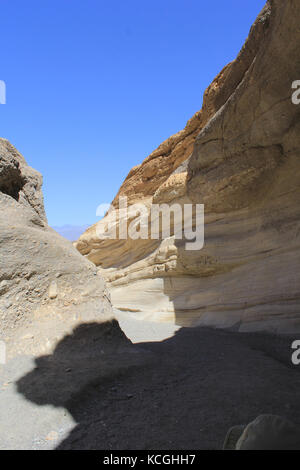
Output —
(182, 393)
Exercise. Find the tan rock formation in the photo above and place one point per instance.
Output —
(46, 286)
(240, 157)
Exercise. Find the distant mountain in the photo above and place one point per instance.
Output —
(71, 232)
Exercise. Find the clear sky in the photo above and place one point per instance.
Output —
(94, 86)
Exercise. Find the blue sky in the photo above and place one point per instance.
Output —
(94, 86)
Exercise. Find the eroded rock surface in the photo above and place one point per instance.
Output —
(240, 157)
(46, 286)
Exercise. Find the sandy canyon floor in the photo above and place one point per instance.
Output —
(183, 392)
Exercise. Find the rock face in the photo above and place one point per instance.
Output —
(46, 286)
(239, 157)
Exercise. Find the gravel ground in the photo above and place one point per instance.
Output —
(180, 393)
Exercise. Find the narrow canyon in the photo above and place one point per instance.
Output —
(143, 344)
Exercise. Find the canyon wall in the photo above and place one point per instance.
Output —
(46, 286)
(239, 156)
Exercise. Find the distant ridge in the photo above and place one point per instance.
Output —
(71, 232)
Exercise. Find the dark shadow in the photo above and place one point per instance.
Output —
(11, 182)
(92, 354)
(182, 393)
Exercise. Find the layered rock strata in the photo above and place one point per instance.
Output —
(239, 156)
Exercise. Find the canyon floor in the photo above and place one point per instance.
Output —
(183, 392)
